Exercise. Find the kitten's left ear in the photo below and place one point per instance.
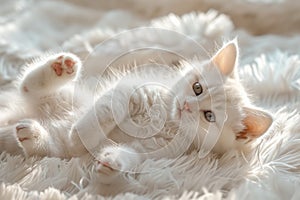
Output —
(226, 58)
(256, 123)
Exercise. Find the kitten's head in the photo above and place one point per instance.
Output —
(212, 101)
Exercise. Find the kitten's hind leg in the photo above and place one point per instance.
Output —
(47, 76)
(32, 137)
(113, 161)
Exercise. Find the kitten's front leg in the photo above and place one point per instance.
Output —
(47, 76)
(92, 129)
(32, 137)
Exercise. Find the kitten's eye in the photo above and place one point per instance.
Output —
(209, 116)
(197, 88)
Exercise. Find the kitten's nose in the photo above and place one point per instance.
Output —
(186, 106)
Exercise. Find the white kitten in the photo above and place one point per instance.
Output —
(202, 106)
(139, 113)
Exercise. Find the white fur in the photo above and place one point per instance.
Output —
(53, 171)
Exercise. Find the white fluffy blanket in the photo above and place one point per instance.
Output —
(269, 68)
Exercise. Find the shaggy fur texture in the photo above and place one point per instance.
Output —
(270, 172)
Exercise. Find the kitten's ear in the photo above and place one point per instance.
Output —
(226, 58)
(256, 123)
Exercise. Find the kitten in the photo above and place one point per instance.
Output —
(134, 114)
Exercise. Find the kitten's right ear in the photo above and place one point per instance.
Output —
(226, 58)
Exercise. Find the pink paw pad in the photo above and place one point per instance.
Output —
(25, 89)
(69, 63)
(57, 68)
(18, 129)
(60, 65)
(105, 164)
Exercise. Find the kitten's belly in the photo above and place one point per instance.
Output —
(147, 126)
(142, 140)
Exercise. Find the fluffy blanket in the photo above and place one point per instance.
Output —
(269, 69)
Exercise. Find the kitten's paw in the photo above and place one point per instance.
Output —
(46, 77)
(65, 64)
(32, 137)
(108, 166)
(114, 161)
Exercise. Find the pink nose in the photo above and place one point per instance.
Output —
(186, 107)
